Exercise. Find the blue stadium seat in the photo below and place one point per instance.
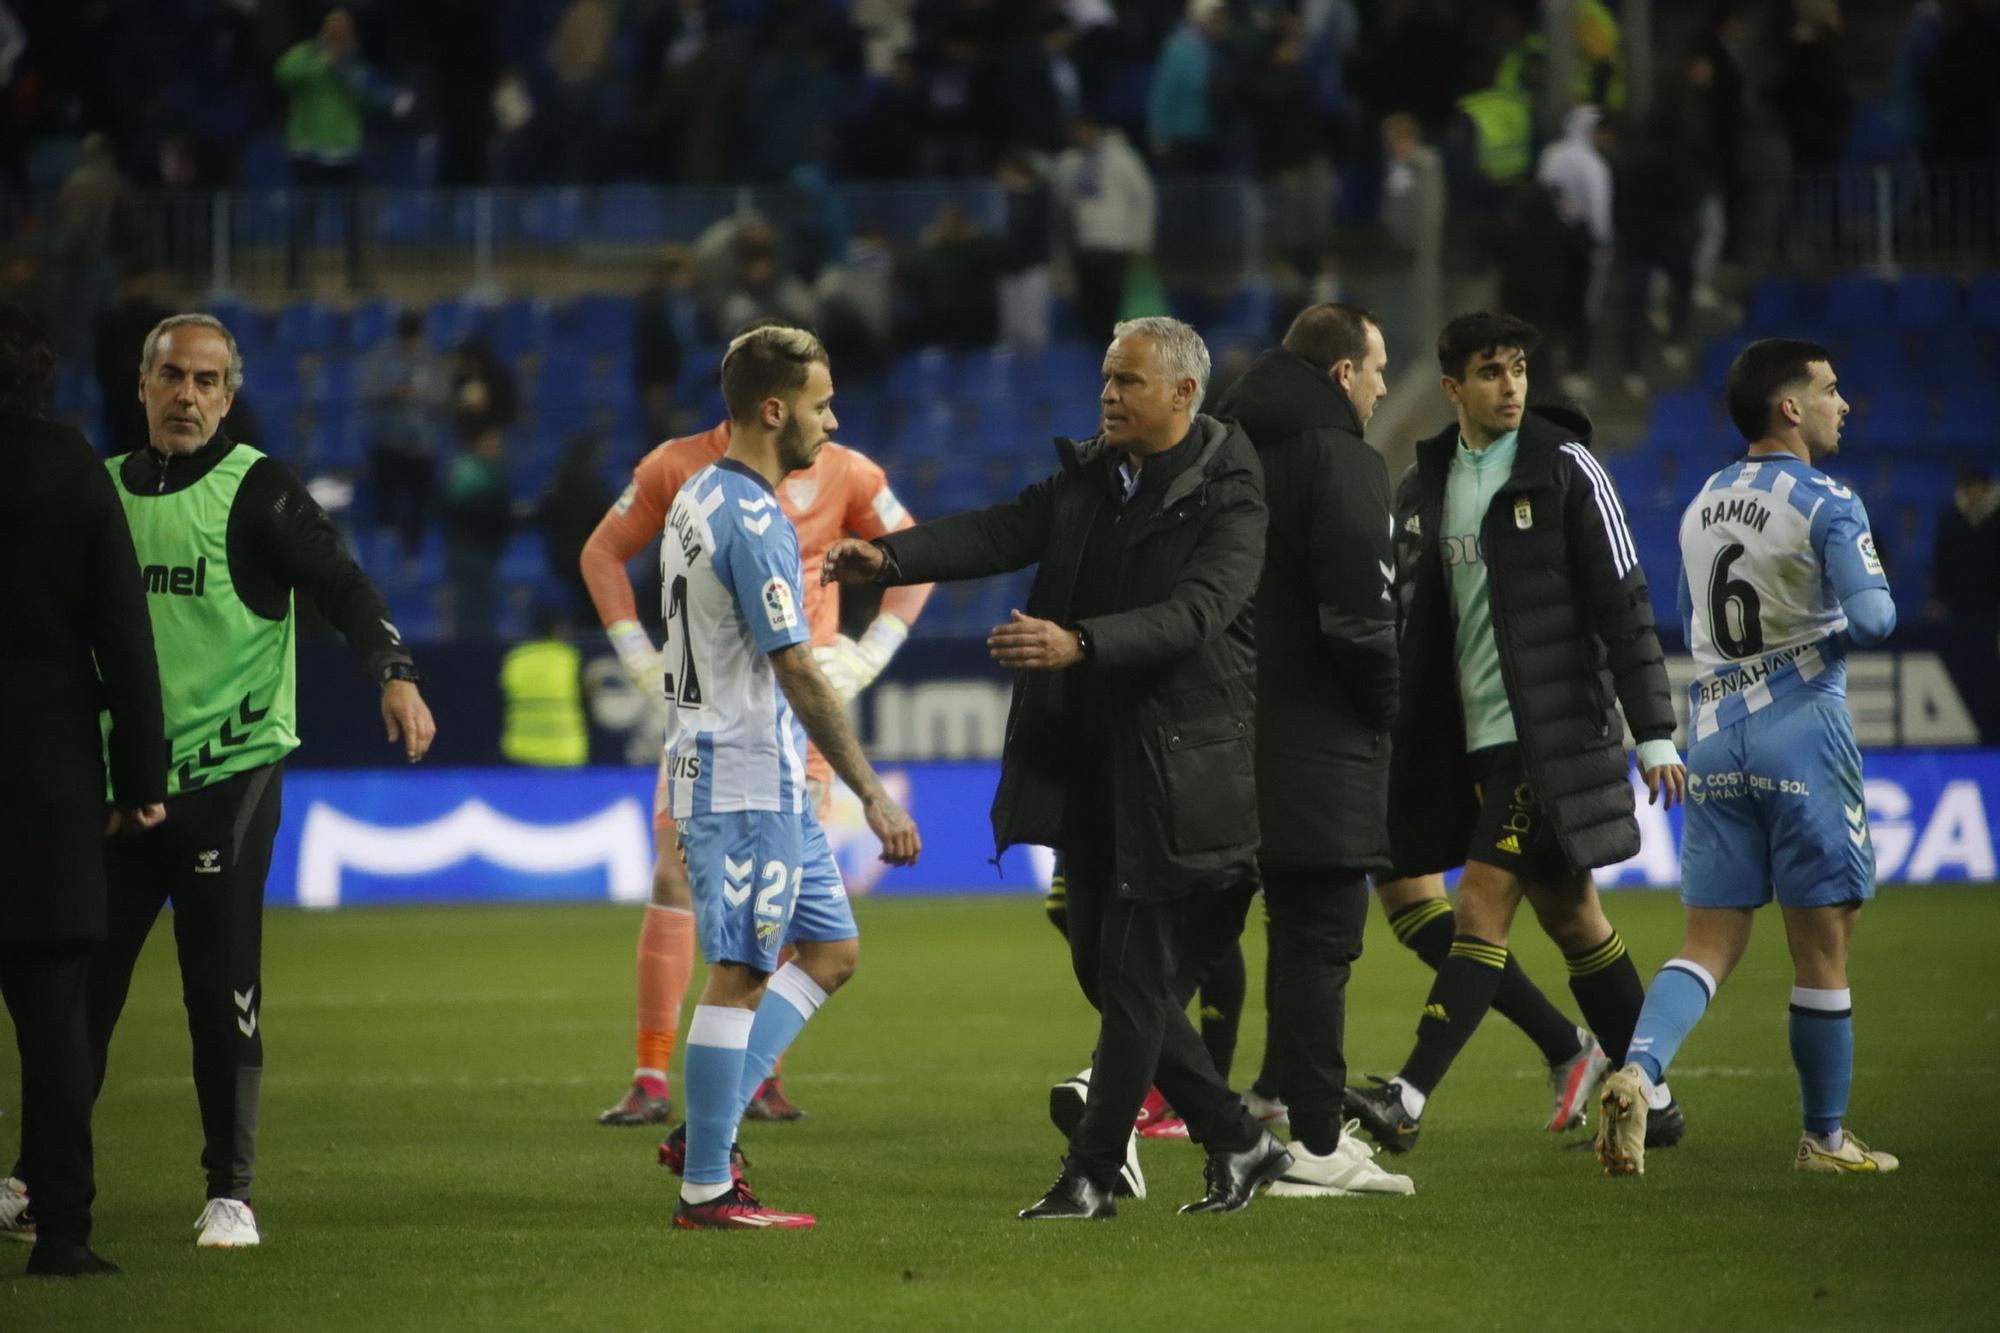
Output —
(335, 385)
(1896, 419)
(925, 375)
(336, 440)
(1716, 358)
(1780, 306)
(1857, 304)
(932, 430)
(1926, 301)
(452, 320)
(1982, 302)
(524, 324)
(1682, 418)
(561, 379)
(1969, 419)
(371, 323)
(603, 323)
(306, 326)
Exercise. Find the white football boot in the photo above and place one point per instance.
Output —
(227, 1224)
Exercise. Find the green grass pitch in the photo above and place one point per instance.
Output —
(430, 1161)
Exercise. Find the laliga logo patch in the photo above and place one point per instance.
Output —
(1524, 514)
(779, 608)
(1870, 561)
(625, 500)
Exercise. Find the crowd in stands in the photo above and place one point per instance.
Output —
(1398, 129)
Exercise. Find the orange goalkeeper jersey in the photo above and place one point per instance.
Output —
(844, 493)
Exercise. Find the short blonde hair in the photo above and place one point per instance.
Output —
(232, 378)
(767, 360)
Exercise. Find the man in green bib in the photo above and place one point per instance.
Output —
(224, 536)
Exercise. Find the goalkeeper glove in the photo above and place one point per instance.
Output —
(643, 663)
(851, 665)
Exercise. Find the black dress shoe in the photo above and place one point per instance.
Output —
(1073, 1196)
(1234, 1176)
(52, 1258)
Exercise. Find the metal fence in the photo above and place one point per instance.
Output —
(1889, 218)
(263, 243)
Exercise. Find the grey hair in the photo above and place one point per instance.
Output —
(232, 378)
(1183, 355)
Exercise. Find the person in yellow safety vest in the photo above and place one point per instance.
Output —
(542, 684)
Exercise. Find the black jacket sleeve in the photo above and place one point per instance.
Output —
(998, 539)
(281, 540)
(1208, 593)
(1613, 583)
(1353, 574)
(121, 640)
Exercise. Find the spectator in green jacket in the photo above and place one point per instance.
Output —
(330, 88)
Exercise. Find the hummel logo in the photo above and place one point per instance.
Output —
(756, 506)
(1857, 823)
(757, 526)
(736, 880)
(208, 862)
(247, 1024)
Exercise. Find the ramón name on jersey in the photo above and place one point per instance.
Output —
(730, 589)
(1768, 550)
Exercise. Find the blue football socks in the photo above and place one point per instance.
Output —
(712, 1071)
(1680, 995)
(789, 1001)
(1823, 1051)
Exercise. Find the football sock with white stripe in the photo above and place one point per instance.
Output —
(711, 1075)
(1822, 1031)
(1680, 995)
(789, 1002)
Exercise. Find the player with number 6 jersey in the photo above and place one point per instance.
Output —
(1778, 577)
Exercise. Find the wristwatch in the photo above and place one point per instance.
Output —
(401, 671)
(1083, 643)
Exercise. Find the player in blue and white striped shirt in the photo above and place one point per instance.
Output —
(1778, 577)
(740, 680)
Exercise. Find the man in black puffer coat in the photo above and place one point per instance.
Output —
(1526, 623)
(1326, 696)
(1129, 745)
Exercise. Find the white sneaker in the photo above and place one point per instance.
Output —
(1348, 1170)
(1852, 1158)
(15, 1221)
(226, 1224)
(1268, 1110)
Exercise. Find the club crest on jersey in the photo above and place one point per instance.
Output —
(802, 491)
(1524, 514)
(1870, 561)
(779, 608)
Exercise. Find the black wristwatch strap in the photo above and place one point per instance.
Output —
(1083, 643)
(401, 671)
